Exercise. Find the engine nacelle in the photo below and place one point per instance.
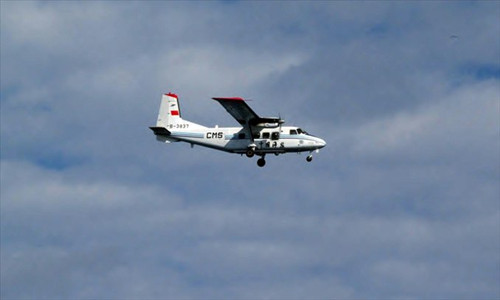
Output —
(268, 125)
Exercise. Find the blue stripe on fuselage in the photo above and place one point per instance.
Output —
(179, 134)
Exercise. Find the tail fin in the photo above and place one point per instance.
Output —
(170, 111)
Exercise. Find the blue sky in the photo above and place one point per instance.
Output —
(402, 203)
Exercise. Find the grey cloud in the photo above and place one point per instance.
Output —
(101, 230)
(401, 203)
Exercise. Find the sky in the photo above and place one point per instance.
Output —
(403, 202)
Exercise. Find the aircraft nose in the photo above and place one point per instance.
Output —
(321, 143)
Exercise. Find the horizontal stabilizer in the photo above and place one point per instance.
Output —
(162, 131)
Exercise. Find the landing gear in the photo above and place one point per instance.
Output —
(261, 162)
(250, 152)
(309, 158)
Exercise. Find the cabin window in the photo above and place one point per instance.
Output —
(256, 135)
(265, 135)
(293, 131)
(275, 136)
(299, 130)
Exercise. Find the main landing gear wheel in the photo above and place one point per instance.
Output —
(250, 153)
(261, 162)
(309, 158)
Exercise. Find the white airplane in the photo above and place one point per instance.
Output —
(257, 136)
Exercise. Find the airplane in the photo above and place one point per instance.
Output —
(256, 136)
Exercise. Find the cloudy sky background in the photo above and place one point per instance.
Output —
(402, 203)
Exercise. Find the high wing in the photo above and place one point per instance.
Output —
(239, 109)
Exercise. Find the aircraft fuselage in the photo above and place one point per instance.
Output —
(237, 139)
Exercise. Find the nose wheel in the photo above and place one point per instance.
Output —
(309, 158)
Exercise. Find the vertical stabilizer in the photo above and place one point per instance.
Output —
(170, 111)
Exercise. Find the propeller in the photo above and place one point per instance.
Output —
(280, 120)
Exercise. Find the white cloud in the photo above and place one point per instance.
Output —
(461, 125)
(224, 69)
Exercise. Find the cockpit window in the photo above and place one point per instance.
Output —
(293, 131)
(300, 131)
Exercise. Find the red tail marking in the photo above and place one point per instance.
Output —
(172, 95)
